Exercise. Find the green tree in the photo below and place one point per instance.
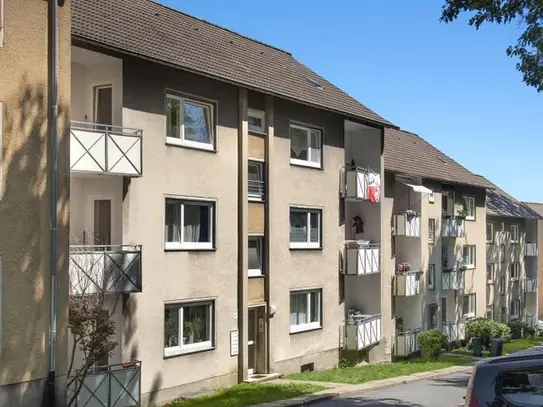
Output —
(527, 13)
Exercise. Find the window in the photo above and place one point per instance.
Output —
(503, 315)
(432, 316)
(431, 276)
(502, 253)
(501, 286)
(469, 256)
(256, 120)
(490, 312)
(431, 197)
(256, 181)
(189, 122)
(256, 264)
(469, 201)
(445, 256)
(515, 271)
(305, 310)
(520, 387)
(468, 305)
(490, 233)
(490, 273)
(514, 234)
(305, 146)
(189, 224)
(443, 310)
(188, 327)
(305, 228)
(431, 230)
(515, 308)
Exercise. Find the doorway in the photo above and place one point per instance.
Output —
(102, 222)
(443, 311)
(103, 105)
(432, 316)
(256, 341)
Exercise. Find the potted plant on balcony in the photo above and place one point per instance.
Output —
(461, 212)
(192, 330)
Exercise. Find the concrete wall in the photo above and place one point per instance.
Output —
(24, 202)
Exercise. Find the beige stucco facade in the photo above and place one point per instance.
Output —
(24, 203)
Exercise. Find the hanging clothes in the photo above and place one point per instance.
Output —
(374, 187)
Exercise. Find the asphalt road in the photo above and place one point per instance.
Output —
(445, 391)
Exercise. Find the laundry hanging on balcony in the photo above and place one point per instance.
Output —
(374, 187)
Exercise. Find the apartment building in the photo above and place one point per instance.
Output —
(511, 258)
(538, 208)
(25, 208)
(435, 219)
(205, 174)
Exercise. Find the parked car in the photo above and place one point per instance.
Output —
(515, 380)
(540, 325)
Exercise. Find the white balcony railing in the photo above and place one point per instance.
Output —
(360, 183)
(101, 149)
(531, 285)
(407, 224)
(109, 269)
(406, 342)
(453, 227)
(454, 330)
(361, 258)
(407, 284)
(366, 332)
(453, 279)
(531, 249)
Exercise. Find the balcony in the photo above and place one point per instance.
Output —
(406, 342)
(101, 149)
(407, 224)
(453, 279)
(407, 284)
(531, 285)
(454, 330)
(531, 250)
(453, 227)
(361, 258)
(109, 269)
(113, 385)
(365, 332)
(360, 184)
(256, 190)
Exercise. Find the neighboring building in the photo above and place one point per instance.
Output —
(435, 218)
(204, 175)
(511, 256)
(538, 208)
(25, 300)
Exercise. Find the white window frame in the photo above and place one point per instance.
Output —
(260, 254)
(182, 201)
(181, 140)
(490, 267)
(515, 271)
(307, 163)
(308, 244)
(259, 114)
(182, 349)
(472, 305)
(515, 313)
(259, 165)
(310, 325)
(431, 230)
(431, 277)
(501, 286)
(491, 232)
(468, 201)
(471, 255)
(515, 233)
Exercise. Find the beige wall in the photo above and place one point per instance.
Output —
(24, 201)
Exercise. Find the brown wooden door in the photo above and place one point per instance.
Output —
(102, 222)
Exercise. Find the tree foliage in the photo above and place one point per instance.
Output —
(527, 13)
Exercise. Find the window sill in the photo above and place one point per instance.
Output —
(514, 279)
(297, 329)
(305, 247)
(306, 164)
(470, 267)
(255, 199)
(470, 218)
(514, 242)
(187, 351)
(255, 273)
(174, 142)
(257, 132)
(489, 282)
(469, 315)
(183, 247)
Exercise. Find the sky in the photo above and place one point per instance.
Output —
(449, 83)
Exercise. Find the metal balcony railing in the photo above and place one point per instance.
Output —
(454, 330)
(361, 259)
(366, 332)
(453, 279)
(453, 227)
(108, 386)
(257, 190)
(407, 284)
(406, 342)
(103, 149)
(407, 224)
(108, 269)
(531, 285)
(531, 249)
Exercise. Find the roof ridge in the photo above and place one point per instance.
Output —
(218, 26)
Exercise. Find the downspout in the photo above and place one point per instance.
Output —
(52, 86)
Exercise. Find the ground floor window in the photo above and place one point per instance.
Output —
(468, 305)
(305, 310)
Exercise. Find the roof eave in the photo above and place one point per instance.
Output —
(442, 180)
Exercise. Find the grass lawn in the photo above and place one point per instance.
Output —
(355, 375)
(247, 394)
(508, 347)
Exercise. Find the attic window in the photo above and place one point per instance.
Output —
(317, 84)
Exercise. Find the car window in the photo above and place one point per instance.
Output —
(522, 388)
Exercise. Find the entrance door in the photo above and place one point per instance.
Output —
(443, 310)
(102, 222)
(432, 316)
(252, 340)
(103, 105)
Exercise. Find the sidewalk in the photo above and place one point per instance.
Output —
(339, 389)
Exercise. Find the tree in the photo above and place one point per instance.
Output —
(527, 13)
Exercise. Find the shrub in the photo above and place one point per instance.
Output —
(431, 342)
(486, 329)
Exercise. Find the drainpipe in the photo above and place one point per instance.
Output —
(52, 86)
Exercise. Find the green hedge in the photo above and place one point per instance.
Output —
(486, 329)
(431, 342)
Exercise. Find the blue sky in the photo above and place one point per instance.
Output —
(449, 83)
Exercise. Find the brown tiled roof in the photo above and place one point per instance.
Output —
(150, 30)
(536, 206)
(407, 153)
(500, 203)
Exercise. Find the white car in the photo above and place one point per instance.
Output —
(540, 325)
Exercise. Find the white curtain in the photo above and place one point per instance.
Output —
(192, 223)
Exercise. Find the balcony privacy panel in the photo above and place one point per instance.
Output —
(361, 259)
(406, 342)
(407, 284)
(453, 227)
(455, 331)
(406, 225)
(364, 334)
(531, 249)
(531, 285)
(453, 280)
